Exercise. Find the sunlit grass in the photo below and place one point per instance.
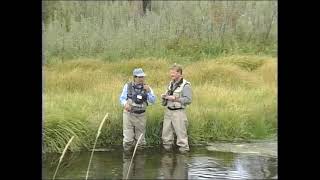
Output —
(233, 98)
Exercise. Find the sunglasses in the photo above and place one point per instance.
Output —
(139, 76)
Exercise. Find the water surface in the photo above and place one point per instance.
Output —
(153, 163)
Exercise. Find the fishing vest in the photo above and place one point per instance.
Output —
(177, 93)
(138, 97)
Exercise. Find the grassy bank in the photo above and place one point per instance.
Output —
(233, 97)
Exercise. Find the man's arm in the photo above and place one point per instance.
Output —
(186, 95)
(151, 97)
(123, 96)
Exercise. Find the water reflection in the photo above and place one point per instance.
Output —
(173, 166)
(137, 169)
(232, 166)
(50, 163)
(254, 167)
(153, 164)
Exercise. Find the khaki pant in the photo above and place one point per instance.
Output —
(133, 126)
(175, 121)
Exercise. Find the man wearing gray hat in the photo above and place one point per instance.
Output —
(135, 98)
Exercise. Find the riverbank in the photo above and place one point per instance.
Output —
(234, 97)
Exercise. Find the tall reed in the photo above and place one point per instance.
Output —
(134, 152)
(188, 30)
(62, 155)
(95, 142)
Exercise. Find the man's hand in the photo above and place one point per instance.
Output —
(170, 98)
(146, 87)
(127, 107)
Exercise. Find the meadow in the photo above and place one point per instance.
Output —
(234, 98)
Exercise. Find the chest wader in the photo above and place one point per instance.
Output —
(175, 120)
(134, 121)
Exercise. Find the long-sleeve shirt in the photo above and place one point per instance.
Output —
(151, 98)
(186, 95)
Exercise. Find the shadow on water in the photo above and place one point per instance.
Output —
(152, 163)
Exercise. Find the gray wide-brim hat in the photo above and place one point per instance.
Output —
(138, 72)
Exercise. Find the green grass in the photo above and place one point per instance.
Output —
(234, 97)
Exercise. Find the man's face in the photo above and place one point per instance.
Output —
(139, 79)
(174, 74)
